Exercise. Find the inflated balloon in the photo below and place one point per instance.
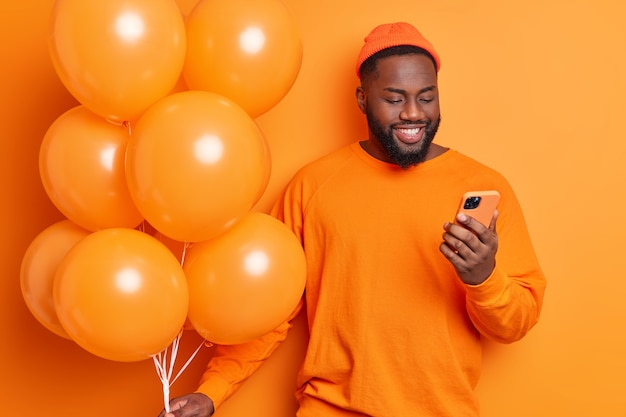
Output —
(246, 282)
(81, 164)
(117, 57)
(121, 295)
(39, 266)
(195, 164)
(247, 50)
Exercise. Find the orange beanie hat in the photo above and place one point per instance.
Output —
(393, 34)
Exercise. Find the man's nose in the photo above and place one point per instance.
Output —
(412, 111)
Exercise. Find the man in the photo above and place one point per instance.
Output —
(396, 305)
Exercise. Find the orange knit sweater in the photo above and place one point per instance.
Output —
(394, 331)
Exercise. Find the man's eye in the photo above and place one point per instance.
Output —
(425, 100)
(394, 100)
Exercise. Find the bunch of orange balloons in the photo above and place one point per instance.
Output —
(163, 155)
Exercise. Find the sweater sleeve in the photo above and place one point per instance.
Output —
(505, 308)
(232, 365)
(507, 304)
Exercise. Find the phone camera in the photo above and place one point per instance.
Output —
(471, 203)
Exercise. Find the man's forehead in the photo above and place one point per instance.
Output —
(412, 63)
(405, 70)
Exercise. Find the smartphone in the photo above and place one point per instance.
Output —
(480, 205)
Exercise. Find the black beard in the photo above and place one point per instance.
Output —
(399, 157)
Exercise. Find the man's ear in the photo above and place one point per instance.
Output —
(361, 99)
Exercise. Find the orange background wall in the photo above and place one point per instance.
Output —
(534, 88)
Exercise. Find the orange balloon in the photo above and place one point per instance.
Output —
(246, 282)
(195, 164)
(39, 265)
(117, 57)
(121, 295)
(81, 164)
(247, 50)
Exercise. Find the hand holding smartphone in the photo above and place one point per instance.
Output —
(480, 205)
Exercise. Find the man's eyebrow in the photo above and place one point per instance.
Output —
(401, 91)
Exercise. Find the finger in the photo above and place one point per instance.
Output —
(452, 242)
(454, 247)
(176, 405)
(466, 241)
(470, 223)
(448, 252)
(480, 235)
(457, 260)
(494, 220)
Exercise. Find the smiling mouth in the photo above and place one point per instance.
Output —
(409, 136)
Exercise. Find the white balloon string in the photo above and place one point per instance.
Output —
(160, 368)
(174, 354)
(182, 257)
(193, 355)
(165, 367)
(128, 126)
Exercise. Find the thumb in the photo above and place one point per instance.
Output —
(494, 220)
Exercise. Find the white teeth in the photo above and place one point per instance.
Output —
(410, 132)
